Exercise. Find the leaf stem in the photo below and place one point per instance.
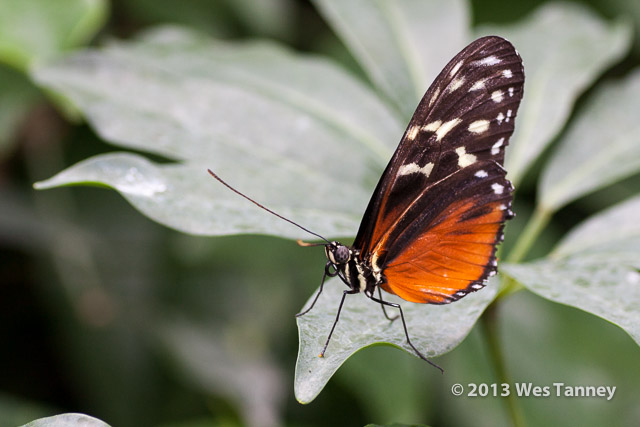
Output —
(490, 324)
(532, 230)
(536, 224)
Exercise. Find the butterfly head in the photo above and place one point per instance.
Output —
(337, 253)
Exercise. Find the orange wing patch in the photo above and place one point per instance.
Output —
(447, 258)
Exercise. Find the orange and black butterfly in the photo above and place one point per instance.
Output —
(431, 228)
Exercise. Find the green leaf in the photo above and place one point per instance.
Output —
(39, 29)
(434, 329)
(564, 48)
(615, 231)
(184, 196)
(271, 123)
(596, 268)
(601, 147)
(67, 420)
(402, 45)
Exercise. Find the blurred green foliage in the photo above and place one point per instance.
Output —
(107, 313)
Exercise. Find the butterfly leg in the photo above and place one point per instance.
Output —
(384, 310)
(406, 332)
(344, 295)
(326, 273)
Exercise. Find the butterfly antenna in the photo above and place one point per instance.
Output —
(265, 208)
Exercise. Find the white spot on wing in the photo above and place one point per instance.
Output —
(500, 118)
(489, 60)
(507, 73)
(481, 173)
(414, 168)
(477, 85)
(510, 91)
(464, 159)
(479, 126)
(434, 96)
(412, 132)
(445, 128)
(455, 69)
(456, 83)
(433, 126)
(495, 148)
(508, 116)
(497, 96)
(497, 188)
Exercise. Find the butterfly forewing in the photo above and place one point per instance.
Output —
(434, 220)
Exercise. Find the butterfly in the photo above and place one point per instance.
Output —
(430, 231)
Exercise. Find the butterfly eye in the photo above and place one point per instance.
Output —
(338, 254)
(342, 254)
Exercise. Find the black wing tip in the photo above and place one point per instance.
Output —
(489, 41)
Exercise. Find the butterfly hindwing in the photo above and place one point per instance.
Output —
(433, 222)
(451, 256)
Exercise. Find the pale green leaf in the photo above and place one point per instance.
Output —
(615, 231)
(39, 29)
(67, 420)
(601, 147)
(596, 268)
(630, 9)
(271, 123)
(434, 329)
(564, 48)
(606, 287)
(402, 45)
(184, 196)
